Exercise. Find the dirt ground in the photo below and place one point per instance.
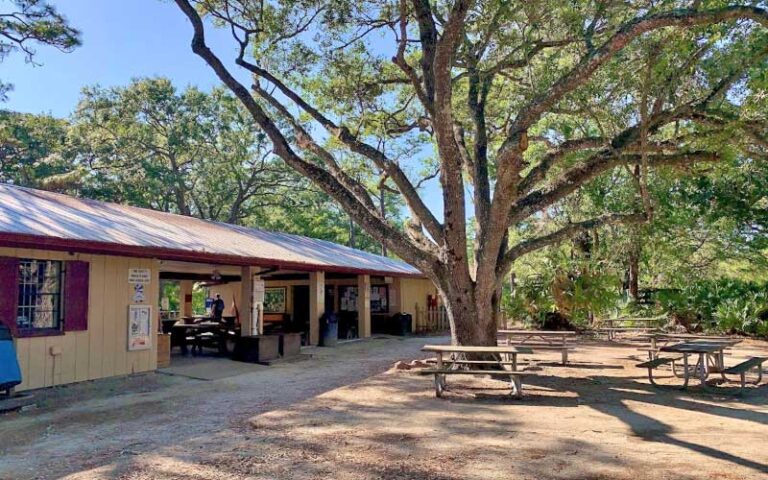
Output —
(345, 414)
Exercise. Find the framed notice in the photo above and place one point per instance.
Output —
(139, 275)
(139, 320)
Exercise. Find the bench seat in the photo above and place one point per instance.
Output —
(742, 368)
(541, 346)
(517, 386)
(471, 362)
(651, 365)
(657, 362)
(563, 349)
(447, 371)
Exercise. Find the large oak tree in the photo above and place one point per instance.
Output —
(519, 104)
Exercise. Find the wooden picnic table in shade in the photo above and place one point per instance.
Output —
(457, 359)
(540, 340)
(710, 358)
(184, 329)
(655, 338)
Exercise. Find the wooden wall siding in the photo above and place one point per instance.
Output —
(102, 349)
(413, 295)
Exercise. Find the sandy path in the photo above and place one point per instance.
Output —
(597, 418)
(168, 413)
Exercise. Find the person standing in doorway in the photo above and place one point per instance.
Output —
(217, 309)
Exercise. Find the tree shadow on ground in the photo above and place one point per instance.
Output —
(621, 390)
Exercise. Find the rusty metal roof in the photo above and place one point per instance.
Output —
(39, 219)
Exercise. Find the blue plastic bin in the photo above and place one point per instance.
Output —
(10, 373)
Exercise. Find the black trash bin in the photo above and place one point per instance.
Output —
(329, 330)
(401, 324)
(10, 374)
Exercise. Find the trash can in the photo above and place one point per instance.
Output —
(10, 373)
(401, 324)
(329, 330)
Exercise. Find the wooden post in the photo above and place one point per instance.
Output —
(185, 297)
(245, 309)
(316, 305)
(364, 305)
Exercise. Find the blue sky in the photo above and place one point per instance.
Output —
(122, 40)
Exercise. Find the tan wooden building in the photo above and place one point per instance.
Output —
(80, 282)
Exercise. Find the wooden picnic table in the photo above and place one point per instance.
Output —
(183, 329)
(507, 356)
(540, 333)
(687, 337)
(614, 326)
(541, 340)
(710, 358)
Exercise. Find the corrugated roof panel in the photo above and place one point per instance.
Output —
(37, 213)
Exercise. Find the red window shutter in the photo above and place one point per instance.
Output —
(9, 292)
(76, 286)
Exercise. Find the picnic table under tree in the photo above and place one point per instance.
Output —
(476, 360)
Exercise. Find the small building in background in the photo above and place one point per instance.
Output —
(80, 283)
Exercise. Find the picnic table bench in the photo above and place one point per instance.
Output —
(456, 363)
(558, 340)
(742, 369)
(710, 359)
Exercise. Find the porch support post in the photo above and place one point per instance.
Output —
(185, 297)
(245, 310)
(364, 305)
(316, 305)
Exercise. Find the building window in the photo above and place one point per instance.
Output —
(39, 307)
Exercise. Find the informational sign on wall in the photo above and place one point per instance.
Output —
(139, 275)
(139, 321)
(259, 289)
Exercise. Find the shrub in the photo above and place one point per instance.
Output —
(725, 305)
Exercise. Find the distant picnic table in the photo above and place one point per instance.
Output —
(613, 326)
(452, 360)
(558, 340)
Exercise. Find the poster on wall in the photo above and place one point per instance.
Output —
(139, 320)
(274, 300)
(258, 290)
(138, 293)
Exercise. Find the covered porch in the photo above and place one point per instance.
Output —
(263, 301)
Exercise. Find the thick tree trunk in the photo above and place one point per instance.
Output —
(473, 311)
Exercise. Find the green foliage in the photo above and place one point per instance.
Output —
(574, 287)
(725, 305)
(171, 291)
(25, 23)
(33, 152)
